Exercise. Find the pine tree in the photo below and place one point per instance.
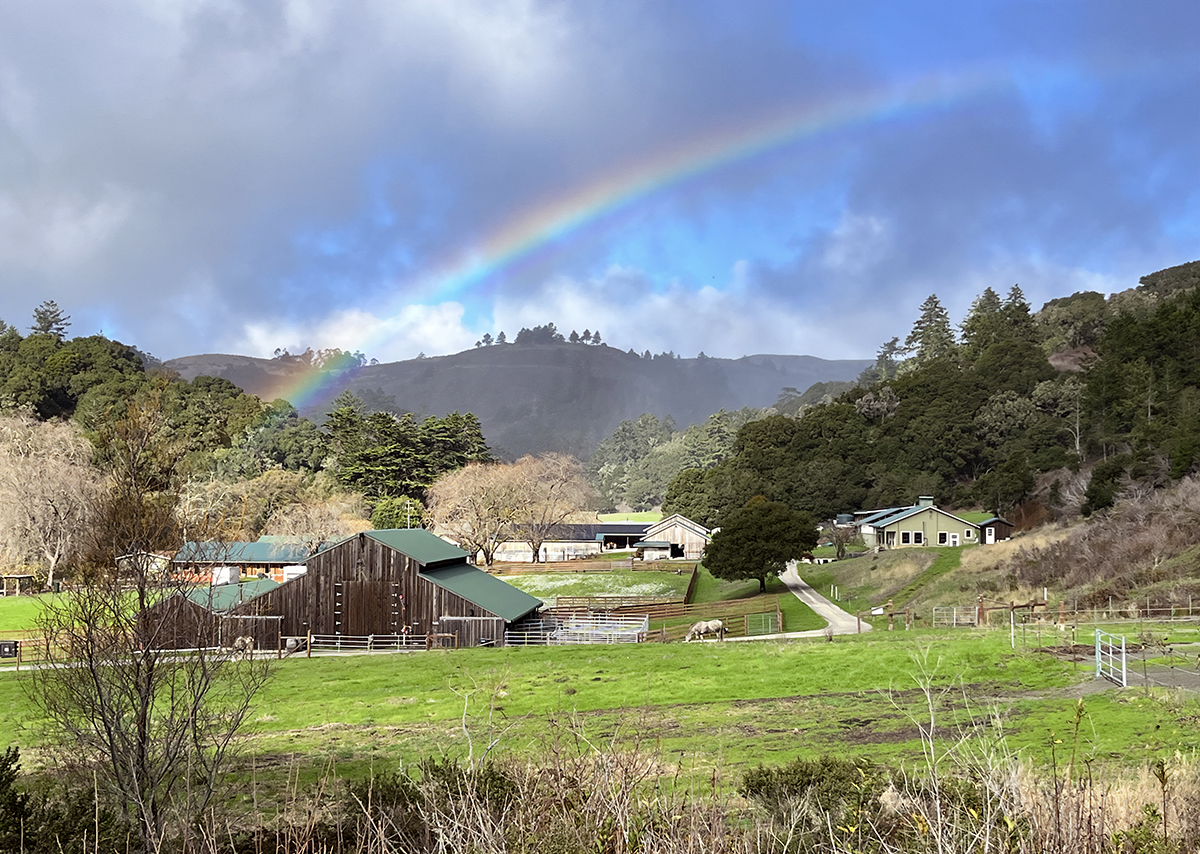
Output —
(984, 324)
(931, 335)
(48, 319)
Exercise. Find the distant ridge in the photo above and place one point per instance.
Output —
(533, 398)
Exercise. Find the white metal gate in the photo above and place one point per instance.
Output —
(1110, 658)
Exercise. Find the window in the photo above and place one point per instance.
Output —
(942, 538)
(968, 534)
(918, 538)
(904, 538)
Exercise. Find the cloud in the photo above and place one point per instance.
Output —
(209, 174)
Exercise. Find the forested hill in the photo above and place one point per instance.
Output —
(977, 416)
(532, 398)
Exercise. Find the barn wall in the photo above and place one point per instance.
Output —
(178, 623)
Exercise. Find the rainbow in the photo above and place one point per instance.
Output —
(557, 219)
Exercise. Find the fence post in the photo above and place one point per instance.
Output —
(308, 645)
(1099, 669)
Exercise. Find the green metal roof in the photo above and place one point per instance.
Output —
(425, 548)
(222, 597)
(237, 553)
(486, 591)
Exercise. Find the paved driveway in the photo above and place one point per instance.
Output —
(842, 622)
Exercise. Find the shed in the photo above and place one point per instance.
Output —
(389, 581)
(995, 530)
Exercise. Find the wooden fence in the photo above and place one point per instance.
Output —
(584, 565)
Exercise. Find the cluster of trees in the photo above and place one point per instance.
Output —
(245, 467)
(979, 415)
(633, 466)
(547, 334)
(333, 358)
(484, 505)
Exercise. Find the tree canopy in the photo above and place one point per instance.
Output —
(757, 540)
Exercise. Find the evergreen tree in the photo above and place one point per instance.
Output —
(983, 325)
(931, 335)
(48, 319)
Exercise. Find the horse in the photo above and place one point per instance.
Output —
(700, 629)
(243, 647)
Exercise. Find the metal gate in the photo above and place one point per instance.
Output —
(762, 624)
(1110, 658)
(949, 618)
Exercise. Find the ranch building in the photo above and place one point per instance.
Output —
(922, 524)
(390, 582)
(225, 563)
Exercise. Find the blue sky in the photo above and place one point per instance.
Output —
(403, 177)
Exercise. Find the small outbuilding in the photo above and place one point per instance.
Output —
(995, 530)
(223, 563)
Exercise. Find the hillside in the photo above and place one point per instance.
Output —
(544, 397)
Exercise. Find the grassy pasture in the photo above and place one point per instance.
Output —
(17, 613)
(702, 706)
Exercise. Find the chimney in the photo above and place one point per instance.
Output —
(925, 501)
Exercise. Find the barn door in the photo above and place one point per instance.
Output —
(369, 608)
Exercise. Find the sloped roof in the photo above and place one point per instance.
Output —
(422, 546)
(873, 516)
(235, 553)
(487, 591)
(991, 520)
(222, 597)
(590, 532)
(673, 520)
(914, 510)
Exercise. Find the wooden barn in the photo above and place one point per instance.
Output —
(685, 538)
(391, 582)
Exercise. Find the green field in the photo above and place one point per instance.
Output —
(17, 613)
(700, 706)
(732, 705)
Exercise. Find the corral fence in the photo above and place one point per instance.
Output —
(577, 628)
(670, 620)
(1110, 658)
(379, 643)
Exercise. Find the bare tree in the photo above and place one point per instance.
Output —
(154, 725)
(47, 491)
(551, 488)
(475, 506)
(317, 521)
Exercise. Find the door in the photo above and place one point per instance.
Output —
(954, 539)
(989, 535)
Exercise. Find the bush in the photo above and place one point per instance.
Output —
(828, 783)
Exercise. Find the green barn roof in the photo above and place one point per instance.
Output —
(221, 597)
(486, 591)
(425, 548)
(240, 553)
